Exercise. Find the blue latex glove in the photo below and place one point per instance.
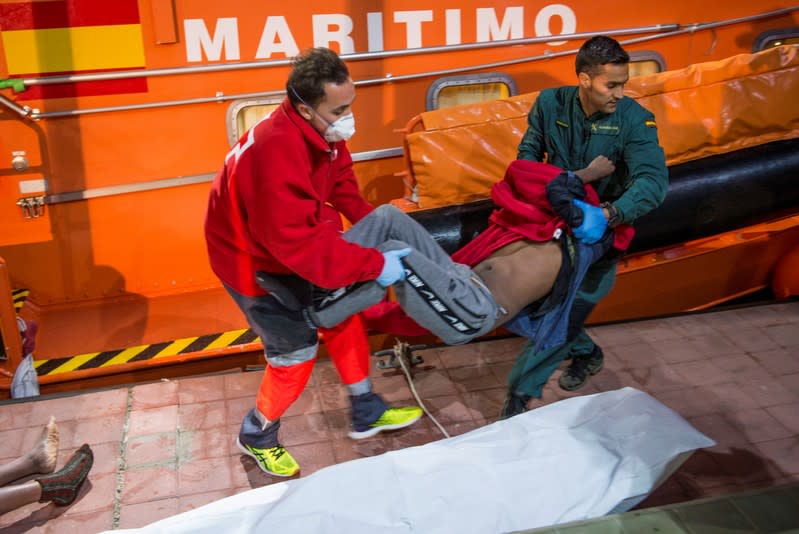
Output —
(392, 268)
(594, 223)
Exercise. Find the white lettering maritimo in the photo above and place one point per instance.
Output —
(218, 40)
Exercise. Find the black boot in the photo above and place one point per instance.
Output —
(581, 368)
(515, 404)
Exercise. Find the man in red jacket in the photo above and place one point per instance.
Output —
(274, 208)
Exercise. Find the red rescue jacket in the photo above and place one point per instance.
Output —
(274, 207)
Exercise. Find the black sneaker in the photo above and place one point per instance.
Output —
(576, 375)
(514, 405)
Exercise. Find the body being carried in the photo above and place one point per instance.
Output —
(515, 263)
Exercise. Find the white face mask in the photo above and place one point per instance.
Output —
(341, 129)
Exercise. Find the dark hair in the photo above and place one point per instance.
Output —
(597, 51)
(311, 70)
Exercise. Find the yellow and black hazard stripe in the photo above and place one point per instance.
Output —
(94, 360)
(19, 296)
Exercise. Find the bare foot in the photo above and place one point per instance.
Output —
(45, 453)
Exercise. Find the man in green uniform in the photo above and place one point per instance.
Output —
(569, 127)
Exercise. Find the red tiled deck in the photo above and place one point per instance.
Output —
(167, 447)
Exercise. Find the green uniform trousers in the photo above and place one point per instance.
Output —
(533, 368)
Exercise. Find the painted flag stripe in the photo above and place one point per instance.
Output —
(74, 90)
(69, 13)
(74, 49)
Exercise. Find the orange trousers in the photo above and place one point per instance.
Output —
(348, 349)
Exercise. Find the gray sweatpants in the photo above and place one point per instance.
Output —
(445, 297)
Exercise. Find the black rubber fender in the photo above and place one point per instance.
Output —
(707, 196)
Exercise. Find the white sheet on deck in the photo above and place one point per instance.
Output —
(575, 459)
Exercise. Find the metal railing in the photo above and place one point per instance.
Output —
(660, 31)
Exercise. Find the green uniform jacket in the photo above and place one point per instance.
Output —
(559, 130)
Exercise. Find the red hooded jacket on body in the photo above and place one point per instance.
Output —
(270, 208)
(525, 213)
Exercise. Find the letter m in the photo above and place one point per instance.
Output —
(198, 40)
(490, 29)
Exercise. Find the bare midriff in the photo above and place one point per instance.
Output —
(519, 274)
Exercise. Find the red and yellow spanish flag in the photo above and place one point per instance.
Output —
(55, 37)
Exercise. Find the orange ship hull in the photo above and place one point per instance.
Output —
(112, 153)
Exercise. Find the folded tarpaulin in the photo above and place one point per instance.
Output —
(703, 109)
(576, 459)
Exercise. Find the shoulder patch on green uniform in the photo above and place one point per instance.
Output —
(561, 123)
(650, 124)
